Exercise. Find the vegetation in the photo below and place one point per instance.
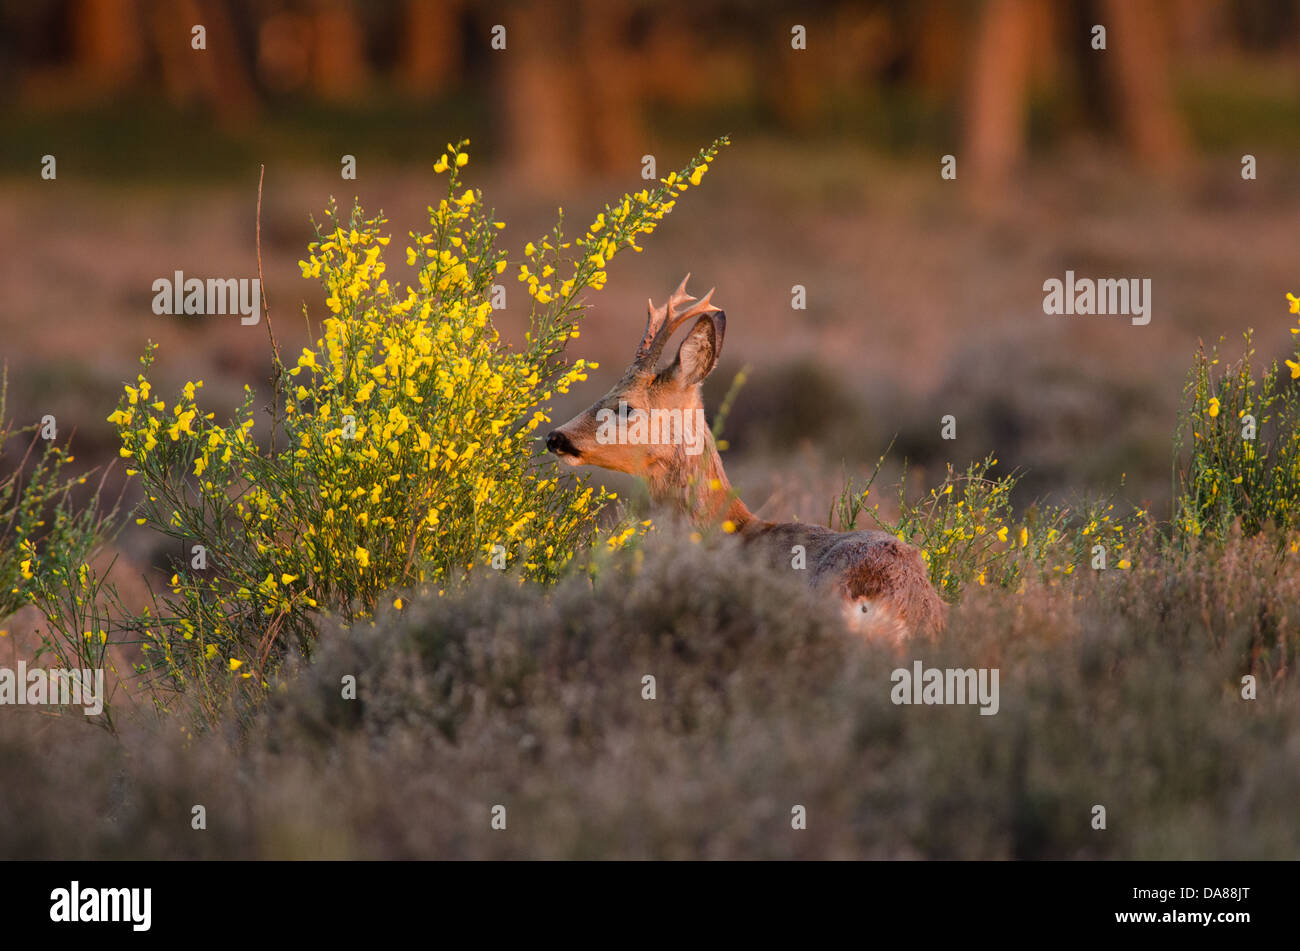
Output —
(401, 453)
(1120, 688)
(1236, 470)
(673, 699)
(47, 538)
(1241, 442)
(969, 530)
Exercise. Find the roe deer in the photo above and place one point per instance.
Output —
(651, 424)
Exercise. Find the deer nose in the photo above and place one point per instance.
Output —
(559, 443)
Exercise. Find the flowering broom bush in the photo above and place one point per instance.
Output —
(1239, 446)
(403, 454)
(969, 531)
(36, 515)
(46, 543)
(1236, 468)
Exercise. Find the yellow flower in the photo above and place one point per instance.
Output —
(1214, 406)
(1024, 537)
(728, 526)
(363, 557)
(235, 664)
(1295, 369)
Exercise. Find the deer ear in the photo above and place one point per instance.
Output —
(699, 352)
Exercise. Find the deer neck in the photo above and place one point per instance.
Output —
(698, 486)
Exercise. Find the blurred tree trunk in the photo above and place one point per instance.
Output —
(573, 87)
(339, 72)
(994, 132)
(612, 87)
(794, 79)
(1010, 43)
(1200, 26)
(940, 46)
(1149, 123)
(541, 94)
(107, 42)
(431, 55)
(218, 75)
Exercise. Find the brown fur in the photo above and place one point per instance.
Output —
(881, 581)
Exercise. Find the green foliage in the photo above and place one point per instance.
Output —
(1236, 468)
(969, 531)
(47, 541)
(406, 435)
(1237, 448)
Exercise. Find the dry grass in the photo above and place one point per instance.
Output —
(1119, 688)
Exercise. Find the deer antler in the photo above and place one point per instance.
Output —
(662, 322)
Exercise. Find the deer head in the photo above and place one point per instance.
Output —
(651, 423)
